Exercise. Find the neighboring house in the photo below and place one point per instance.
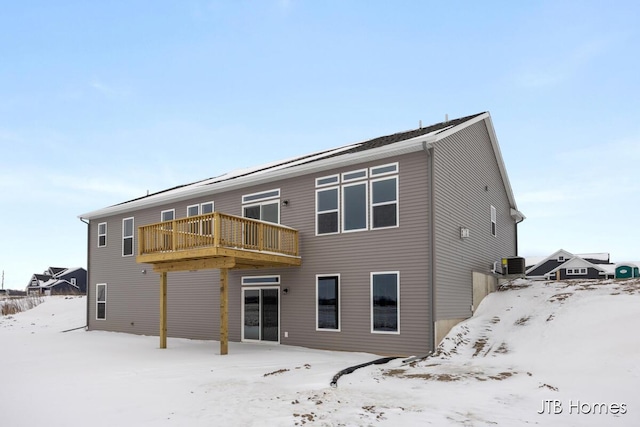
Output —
(58, 280)
(374, 246)
(570, 266)
(627, 270)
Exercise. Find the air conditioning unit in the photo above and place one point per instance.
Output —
(513, 266)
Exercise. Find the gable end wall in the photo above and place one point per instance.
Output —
(467, 184)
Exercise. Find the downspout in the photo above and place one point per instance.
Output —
(87, 287)
(428, 148)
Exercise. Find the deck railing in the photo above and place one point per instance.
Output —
(217, 230)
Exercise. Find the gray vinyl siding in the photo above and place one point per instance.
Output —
(545, 268)
(193, 297)
(467, 183)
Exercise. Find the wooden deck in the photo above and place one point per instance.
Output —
(217, 240)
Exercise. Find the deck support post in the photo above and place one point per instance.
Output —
(224, 313)
(163, 309)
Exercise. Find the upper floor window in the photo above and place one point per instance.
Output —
(73, 281)
(494, 227)
(384, 202)
(127, 237)
(327, 210)
(264, 206)
(168, 215)
(354, 207)
(358, 200)
(203, 226)
(102, 234)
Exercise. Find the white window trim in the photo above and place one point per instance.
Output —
(328, 211)
(366, 198)
(260, 341)
(578, 271)
(318, 276)
(165, 211)
(266, 283)
(105, 234)
(193, 206)
(73, 281)
(395, 171)
(263, 203)
(397, 202)
(335, 178)
(253, 201)
(374, 273)
(101, 302)
(213, 207)
(494, 222)
(132, 237)
(360, 178)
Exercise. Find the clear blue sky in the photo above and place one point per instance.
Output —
(102, 101)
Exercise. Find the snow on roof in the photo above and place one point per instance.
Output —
(405, 141)
(600, 256)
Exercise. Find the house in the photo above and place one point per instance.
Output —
(58, 280)
(565, 265)
(375, 246)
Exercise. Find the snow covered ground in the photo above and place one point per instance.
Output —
(569, 350)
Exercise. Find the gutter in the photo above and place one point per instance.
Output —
(182, 193)
(429, 149)
(87, 287)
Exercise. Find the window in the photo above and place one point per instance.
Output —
(352, 176)
(385, 302)
(327, 211)
(384, 202)
(364, 199)
(200, 226)
(102, 234)
(127, 237)
(193, 210)
(384, 169)
(168, 215)
(101, 301)
(271, 194)
(206, 225)
(261, 280)
(167, 229)
(328, 303)
(327, 180)
(493, 221)
(73, 281)
(576, 271)
(560, 258)
(354, 207)
(267, 209)
(264, 208)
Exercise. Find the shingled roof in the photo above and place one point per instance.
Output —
(279, 167)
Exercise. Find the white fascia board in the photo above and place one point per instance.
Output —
(191, 191)
(515, 213)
